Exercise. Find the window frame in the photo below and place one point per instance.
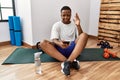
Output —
(13, 9)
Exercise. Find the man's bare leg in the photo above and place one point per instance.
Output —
(80, 45)
(49, 48)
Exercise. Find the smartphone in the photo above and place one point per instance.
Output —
(66, 42)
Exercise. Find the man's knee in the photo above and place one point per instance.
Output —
(43, 43)
(85, 35)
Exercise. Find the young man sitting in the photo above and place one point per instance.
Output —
(68, 41)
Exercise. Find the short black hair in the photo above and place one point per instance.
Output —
(65, 8)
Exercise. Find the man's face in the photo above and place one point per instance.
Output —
(66, 15)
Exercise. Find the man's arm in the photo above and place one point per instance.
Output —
(56, 41)
(79, 29)
(77, 23)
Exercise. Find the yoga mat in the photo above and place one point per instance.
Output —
(26, 55)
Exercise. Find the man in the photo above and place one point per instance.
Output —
(68, 41)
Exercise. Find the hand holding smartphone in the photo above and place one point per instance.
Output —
(66, 42)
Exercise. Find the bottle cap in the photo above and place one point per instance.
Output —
(37, 54)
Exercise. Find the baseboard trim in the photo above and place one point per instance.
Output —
(92, 36)
(23, 44)
(29, 46)
(4, 43)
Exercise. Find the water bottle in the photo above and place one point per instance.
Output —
(37, 62)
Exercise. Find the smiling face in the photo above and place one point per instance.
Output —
(66, 15)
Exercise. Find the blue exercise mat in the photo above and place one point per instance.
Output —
(15, 30)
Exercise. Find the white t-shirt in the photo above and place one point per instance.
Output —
(66, 32)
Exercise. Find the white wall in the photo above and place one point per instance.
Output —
(94, 17)
(23, 9)
(4, 32)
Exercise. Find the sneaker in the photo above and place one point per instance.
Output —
(75, 65)
(66, 67)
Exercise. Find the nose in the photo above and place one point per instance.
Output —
(66, 17)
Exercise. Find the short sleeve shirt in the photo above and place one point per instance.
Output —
(66, 32)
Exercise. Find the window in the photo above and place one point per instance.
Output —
(7, 8)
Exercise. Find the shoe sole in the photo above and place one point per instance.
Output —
(78, 64)
(62, 65)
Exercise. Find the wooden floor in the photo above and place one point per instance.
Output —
(95, 70)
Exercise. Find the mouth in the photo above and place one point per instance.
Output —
(66, 21)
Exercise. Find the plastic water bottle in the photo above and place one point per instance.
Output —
(37, 62)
